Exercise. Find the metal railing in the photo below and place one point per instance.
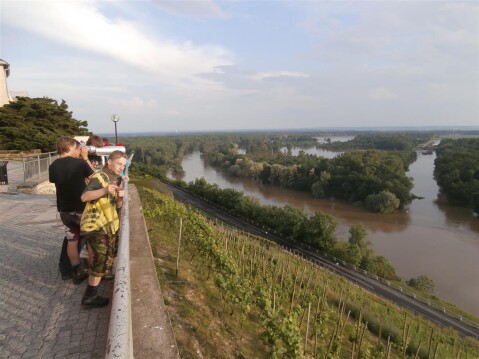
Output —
(120, 336)
(36, 165)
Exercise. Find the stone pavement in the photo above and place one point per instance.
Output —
(40, 314)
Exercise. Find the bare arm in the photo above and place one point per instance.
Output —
(98, 193)
(119, 202)
(119, 199)
(84, 155)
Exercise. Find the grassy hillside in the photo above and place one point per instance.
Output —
(236, 295)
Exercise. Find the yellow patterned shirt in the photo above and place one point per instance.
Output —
(100, 215)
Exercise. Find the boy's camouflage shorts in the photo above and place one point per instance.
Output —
(103, 248)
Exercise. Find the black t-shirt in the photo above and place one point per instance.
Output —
(68, 174)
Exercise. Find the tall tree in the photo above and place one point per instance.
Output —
(37, 123)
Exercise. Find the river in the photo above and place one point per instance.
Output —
(431, 238)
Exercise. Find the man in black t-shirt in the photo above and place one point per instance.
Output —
(68, 173)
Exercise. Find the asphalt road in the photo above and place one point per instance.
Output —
(373, 284)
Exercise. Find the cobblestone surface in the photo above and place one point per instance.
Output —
(40, 314)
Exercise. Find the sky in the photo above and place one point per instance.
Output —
(231, 65)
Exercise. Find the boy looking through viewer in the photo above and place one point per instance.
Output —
(68, 173)
(95, 160)
(100, 224)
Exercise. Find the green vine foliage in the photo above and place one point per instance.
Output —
(255, 276)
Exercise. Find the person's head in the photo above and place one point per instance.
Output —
(94, 140)
(116, 162)
(105, 141)
(76, 152)
(67, 146)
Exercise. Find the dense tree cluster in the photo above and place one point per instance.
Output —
(381, 141)
(290, 222)
(37, 123)
(375, 178)
(456, 170)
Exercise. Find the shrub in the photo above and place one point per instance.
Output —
(383, 202)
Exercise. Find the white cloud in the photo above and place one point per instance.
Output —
(133, 103)
(381, 94)
(171, 113)
(266, 75)
(378, 35)
(83, 26)
(197, 8)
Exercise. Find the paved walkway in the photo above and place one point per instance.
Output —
(40, 315)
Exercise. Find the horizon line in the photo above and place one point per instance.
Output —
(310, 129)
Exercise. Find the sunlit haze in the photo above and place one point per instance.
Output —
(221, 65)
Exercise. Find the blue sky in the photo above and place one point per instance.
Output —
(221, 65)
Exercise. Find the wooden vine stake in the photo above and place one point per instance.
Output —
(435, 350)
(307, 329)
(242, 263)
(379, 335)
(294, 290)
(178, 249)
(358, 325)
(388, 348)
(317, 316)
(430, 343)
(226, 242)
(365, 327)
(417, 351)
(337, 327)
(458, 351)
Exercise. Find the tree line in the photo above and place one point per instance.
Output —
(402, 141)
(370, 176)
(374, 178)
(456, 170)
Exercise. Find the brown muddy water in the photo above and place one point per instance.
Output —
(431, 238)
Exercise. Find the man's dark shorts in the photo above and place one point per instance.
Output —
(71, 220)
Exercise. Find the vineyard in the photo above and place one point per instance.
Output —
(294, 308)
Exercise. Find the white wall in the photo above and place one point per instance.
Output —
(4, 96)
